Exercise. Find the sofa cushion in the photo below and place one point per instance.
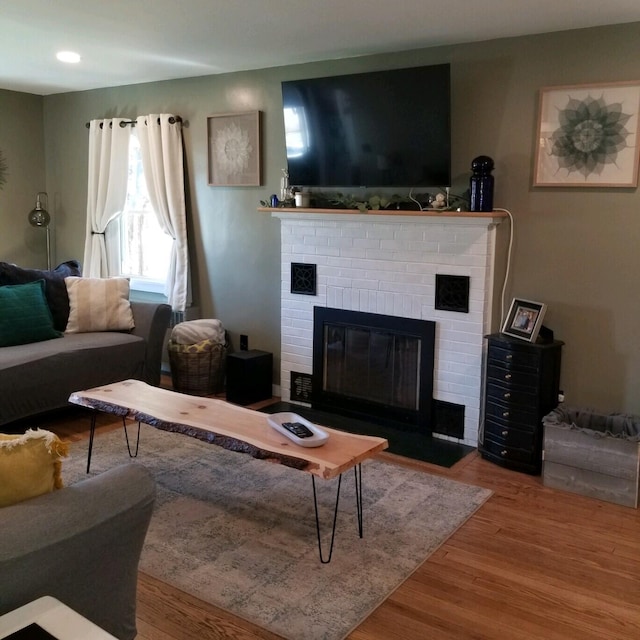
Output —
(24, 314)
(29, 465)
(55, 290)
(98, 304)
(75, 361)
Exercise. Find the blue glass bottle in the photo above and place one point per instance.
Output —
(481, 184)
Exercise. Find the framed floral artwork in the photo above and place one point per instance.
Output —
(588, 136)
(234, 149)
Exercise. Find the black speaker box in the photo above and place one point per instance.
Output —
(249, 376)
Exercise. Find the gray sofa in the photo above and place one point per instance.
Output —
(81, 545)
(39, 376)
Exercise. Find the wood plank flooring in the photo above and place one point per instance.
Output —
(532, 563)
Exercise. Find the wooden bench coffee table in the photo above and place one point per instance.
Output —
(235, 428)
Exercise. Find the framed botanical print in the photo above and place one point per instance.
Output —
(234, 149)
(587, 136)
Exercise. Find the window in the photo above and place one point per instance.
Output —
(296, 131)
(145, 249)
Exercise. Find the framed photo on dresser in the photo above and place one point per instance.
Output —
(524, 319)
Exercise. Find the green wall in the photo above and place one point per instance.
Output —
(575, 249)
(22, 145)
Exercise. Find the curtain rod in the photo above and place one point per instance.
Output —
(124, 123)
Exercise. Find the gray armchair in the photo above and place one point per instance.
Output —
(81, 545)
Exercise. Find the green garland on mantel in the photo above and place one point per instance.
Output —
(380, 202)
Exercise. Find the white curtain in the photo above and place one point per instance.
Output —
(107, 190)
(160, 138)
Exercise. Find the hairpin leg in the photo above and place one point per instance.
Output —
(126, 435)
(335, 517)
(358, 479)
(91, 434)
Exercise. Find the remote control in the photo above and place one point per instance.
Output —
(298, 429)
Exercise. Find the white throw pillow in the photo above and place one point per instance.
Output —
(98, 304)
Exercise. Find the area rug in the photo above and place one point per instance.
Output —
(240, 533)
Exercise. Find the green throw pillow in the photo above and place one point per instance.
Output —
(55, 288)
(24, 314)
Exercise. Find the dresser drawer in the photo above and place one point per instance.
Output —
(512, 414)
(494, 446)
(509, 436)
(513, 357)
(527, 400)
(511, 376)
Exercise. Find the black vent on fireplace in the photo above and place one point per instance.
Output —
(448, 418)
(452, 293)
(300, 386)
(303, 278)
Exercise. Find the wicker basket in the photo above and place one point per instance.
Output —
(198, 369)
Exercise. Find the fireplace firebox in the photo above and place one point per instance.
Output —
(374, 367)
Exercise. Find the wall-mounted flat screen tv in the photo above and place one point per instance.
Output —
(378, 129)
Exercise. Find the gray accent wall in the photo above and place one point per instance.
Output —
(574, 249)
(22, 145)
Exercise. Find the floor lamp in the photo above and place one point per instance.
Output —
(39, 217)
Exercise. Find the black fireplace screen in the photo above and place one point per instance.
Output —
(374, 366)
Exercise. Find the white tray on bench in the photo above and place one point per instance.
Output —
(318, 438)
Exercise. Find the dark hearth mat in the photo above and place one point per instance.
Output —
(412, 445)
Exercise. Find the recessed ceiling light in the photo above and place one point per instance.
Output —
(68, 56)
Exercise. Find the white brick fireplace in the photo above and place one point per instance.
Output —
(387, 264)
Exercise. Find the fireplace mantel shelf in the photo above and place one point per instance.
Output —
(464, 216)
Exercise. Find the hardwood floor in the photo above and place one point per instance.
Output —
(532, 563)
